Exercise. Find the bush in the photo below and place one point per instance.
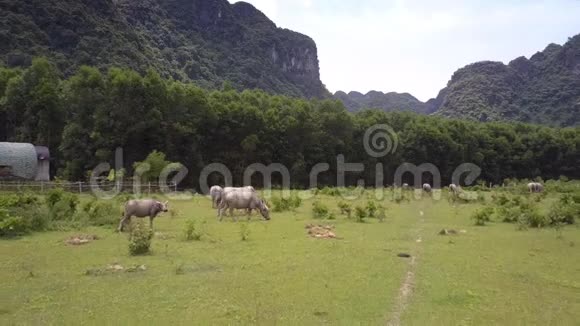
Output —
(400, 196)
(534, 218)
(21, 213)
(62, 205)
(371, 208)
(319, 210)
(521, 211)
(500, 199)
(281, 204)
(140, 239)
(509, 214)
(565, 211)
(18, 200)
(330, 191)
(12, 225)
(101, 213)
(345, 209)
(192, 230)
(481, 216)
(360, 213)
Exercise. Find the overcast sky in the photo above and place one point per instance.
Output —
(415, 46)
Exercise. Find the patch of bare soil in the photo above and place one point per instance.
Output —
(321, 231)
(82, 239)
(451, 232)
(115, 268)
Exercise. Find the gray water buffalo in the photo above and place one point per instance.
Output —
(535, 187)
(427, 187)
(228, 189)
(249, 188)
(215, 193)
(142, 208)
(242, 199)
(454, 189)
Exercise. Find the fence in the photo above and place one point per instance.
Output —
(85, 187)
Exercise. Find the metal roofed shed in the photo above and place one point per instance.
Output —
(22, 161)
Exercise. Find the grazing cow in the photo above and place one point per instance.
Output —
(249, 188)
(142, 208)
(215, 193)
(535, 187)
(242, 199)
(454, 189)
(228, 189)
(427, 187)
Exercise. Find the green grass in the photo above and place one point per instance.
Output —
(489, 275)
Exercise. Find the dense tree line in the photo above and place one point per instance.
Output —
(85, 117)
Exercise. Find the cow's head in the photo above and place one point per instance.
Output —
(264, 210)
(163, 207)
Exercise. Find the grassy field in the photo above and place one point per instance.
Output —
(488, 275)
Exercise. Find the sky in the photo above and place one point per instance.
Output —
(415, 46)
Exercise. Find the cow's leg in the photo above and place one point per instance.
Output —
(122, 223)
(151, 222)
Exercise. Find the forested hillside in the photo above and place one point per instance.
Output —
(355, 101)
(85, 117)
(544, 89)
(203, 41)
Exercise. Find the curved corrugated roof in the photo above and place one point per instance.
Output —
(21, 158)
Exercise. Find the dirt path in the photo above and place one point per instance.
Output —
(408, 284)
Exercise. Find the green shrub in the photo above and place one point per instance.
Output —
(345, 209)
(319, 210)
(509, 214)
(400, 196)
(36, 215)
(371, 209)
(330, 191)
(11, 225)
(534, 218)
(360, 213)
(140, 239)
(483, 215)
(521, 211)
(500, 199)
(281, 204)
(101, 213)
(193, 230)
(565, 211)
(62, 205)
(17, 200)
(295, 201)
(22, 213)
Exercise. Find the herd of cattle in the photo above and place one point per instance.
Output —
(245, 198)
